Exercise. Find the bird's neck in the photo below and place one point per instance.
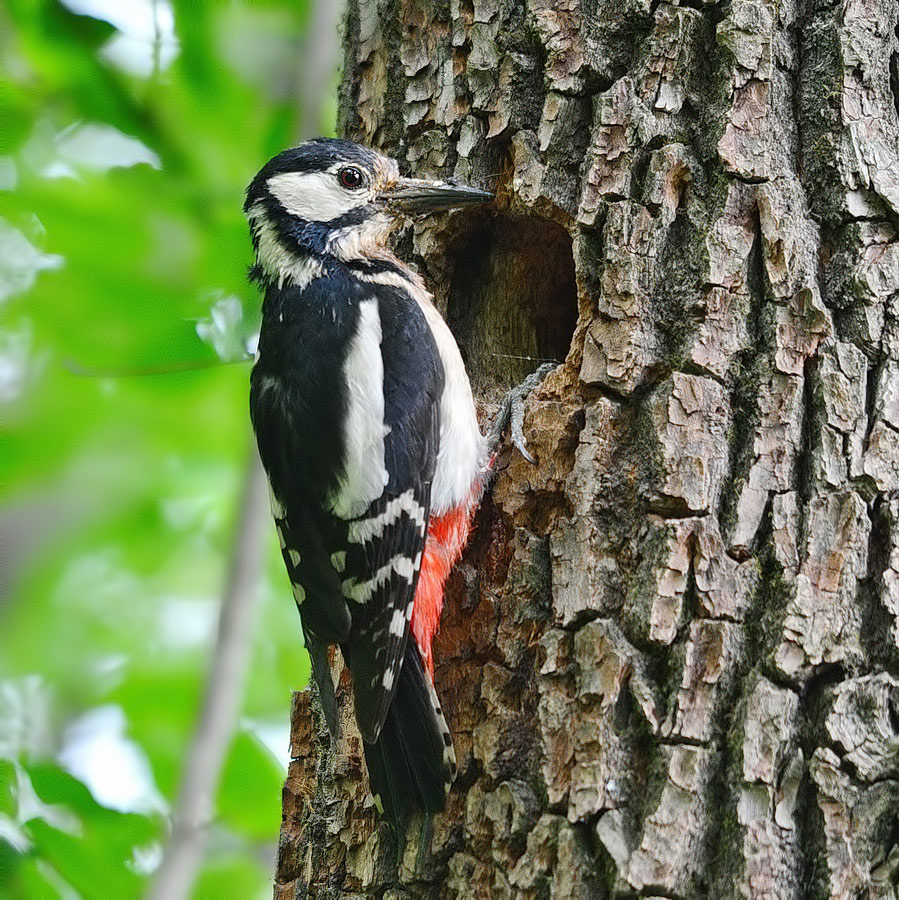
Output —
(292, 251)
(280, 258)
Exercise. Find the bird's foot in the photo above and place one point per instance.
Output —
(511, 414)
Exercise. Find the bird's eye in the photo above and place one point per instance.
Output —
(350, 177)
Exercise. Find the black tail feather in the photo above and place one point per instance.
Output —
(321, 674)
(412, 764)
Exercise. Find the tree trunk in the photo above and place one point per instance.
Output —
(670, 660)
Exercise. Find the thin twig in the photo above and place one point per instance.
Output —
(317, 65)
(180, 367)
(222, 696)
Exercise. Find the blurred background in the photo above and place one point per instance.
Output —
(128, 132)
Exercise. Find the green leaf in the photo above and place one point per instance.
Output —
(86, 864)
(54, 785)
(37, 880)
(95, 853)
(10, 868)
(9, 800)
(119, 832)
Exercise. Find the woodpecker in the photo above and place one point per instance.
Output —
(367, 430)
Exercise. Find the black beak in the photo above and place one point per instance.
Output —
(420, 196)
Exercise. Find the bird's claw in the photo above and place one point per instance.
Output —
(523, 450)
(516, 416)
(512, 412)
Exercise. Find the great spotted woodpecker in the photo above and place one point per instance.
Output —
(367, 430)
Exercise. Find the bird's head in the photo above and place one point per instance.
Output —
(331, 197)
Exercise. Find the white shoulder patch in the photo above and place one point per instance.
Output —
(365, 474)
(314, 196)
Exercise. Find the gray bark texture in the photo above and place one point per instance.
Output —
(670, 659)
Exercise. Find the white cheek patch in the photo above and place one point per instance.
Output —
(314, 196)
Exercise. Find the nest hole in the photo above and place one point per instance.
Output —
(512, 301)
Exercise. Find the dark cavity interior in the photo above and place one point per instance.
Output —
(513, 298)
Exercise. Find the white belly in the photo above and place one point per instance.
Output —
(463, 450)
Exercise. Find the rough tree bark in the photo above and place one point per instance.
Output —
(671, 658)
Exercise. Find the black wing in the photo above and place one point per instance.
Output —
(354, 580)
(298, 405)
(385, 545)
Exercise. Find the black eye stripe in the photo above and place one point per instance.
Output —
(351, 178)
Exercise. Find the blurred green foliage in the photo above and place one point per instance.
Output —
(123, 159)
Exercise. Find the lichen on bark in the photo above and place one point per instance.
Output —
(669, 657)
